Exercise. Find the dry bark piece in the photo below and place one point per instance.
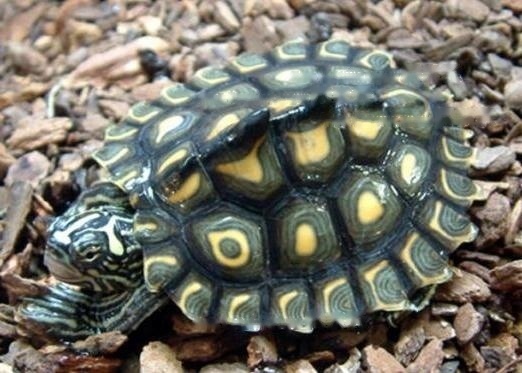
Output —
(494, 159)
(472, 357)
(409, 344)
(514, 5)
(468, 323)
(378, 360)
(31, 168)
(507, 277)
(70, 363)
(6, 159)
(202, 349)
(225, 368)
(7, 322)
(183, 326)
(469, 9)
(25, 59)
(443, 309)
(429, 359)
(261, 350)
(470, 112)
(225, 16)
(352, 365)
(513, 93)
(19, 89)
(18, 27)
(157, 357)
(439, 329)
(300, 366)
(463, 287)
(259, 34)
(101, 344)
(33, 132)
(25, 358)
(19, 206)
(118, 62)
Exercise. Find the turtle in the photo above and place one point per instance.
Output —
(313, 184)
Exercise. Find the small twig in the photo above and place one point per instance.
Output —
(510, 365)
(51, 99)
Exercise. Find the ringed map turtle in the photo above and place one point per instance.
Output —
(312, 183)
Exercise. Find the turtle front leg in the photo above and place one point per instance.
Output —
(65, 313)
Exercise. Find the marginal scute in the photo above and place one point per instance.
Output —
(230, 244)
(421, 262)
(176, 95)
(142, 112)
(336, 301)
(291, 51)
(248, 63)
(448, 226)
(120, 132)
(375, 60)
(456, 187)
(458, 133)
(382, 287)
(193, 296)
(225, 123)
(305, 234)
(337, 50)
(291, 306)
(455, 154)
(369, 207)
(162, 263)
(241, 307)
(209, 77)
(113, 154)
(409, 168)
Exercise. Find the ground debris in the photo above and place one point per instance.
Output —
(158, 357)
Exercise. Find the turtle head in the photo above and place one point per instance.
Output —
(95, 249)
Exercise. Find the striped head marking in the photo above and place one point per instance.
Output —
(95, 249)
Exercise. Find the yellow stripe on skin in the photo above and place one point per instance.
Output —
(311, 146)
(225, 122)
(305, 240)
(408, 168)
(168, 125)
(248, 168)
(187, 190)
(172, 159)
(235, 303)
(435, 226)
(369, 208)
(284, 300)
(190, 289)
(327, 292)
(237, 236)
(407, 258)
(369, 276)
(365, 129)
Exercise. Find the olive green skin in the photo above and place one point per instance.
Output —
(316, 182)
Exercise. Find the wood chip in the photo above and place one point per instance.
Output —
(378, 360)
(33, 132)
(462, 288)
(468, 323)
(157, 357)
(429, 359)
(507, 277)
(261, 350)
(30, 168)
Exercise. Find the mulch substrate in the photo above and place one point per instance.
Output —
(68, 69)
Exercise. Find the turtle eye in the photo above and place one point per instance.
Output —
(91, 253)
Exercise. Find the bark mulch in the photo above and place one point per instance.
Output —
(70, 68)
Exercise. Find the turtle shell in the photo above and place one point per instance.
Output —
(315, 182)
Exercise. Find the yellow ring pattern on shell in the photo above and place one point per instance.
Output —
(216, 237)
